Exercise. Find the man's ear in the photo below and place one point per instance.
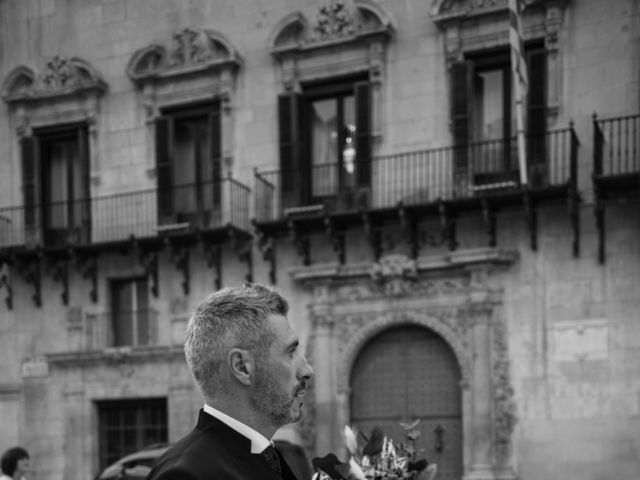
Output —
(241, 365)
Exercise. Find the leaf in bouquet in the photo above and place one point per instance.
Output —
(430, 472)
(350, 440)
(374, 445)
(355, 470)
(418, 466)
(413, 435)
(408, 449)
(410, 426)
(332, 466)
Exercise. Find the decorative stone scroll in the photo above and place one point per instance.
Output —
(505, 417)
(192, 50)
(61, 76)
(334, 22)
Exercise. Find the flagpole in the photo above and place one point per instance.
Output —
(520, 128)
(520, 82)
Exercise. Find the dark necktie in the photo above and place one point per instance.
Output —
(273, 459)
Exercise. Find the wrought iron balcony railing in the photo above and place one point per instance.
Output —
(138, 328)
(421, 177)
(141, 214)
(616, 145)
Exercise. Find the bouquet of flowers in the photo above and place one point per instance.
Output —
(376, 458)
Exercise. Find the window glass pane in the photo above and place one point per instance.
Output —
(349, 142)
(489, 105)
(190, 163)
(122, 300)
(128, 426)
(62, 156)
(142, 312)
(324, 146)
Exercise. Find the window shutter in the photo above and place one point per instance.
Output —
(537, 107)
(215, 135)
(363, 133)
(84, 197)
(291, 166)
(163, 165)
(460, 82)
(30, 187)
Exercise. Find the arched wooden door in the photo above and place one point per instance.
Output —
(407, 373)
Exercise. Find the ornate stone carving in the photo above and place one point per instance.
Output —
(399, 284)
(333, 21)
(352, 331)
(60, 76)
(466, 7)
(395, 274)
(505, 417)
(191, 49)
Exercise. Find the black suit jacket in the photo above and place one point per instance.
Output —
(214, 451)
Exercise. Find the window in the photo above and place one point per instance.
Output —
(55, 179)
(126, 426)
(324, 145)
(132, 321)
(189, 166)
(484, 120)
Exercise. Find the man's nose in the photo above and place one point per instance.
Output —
(306, 370)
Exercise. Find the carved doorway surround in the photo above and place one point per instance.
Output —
(458, 297)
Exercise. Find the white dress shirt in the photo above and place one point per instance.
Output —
(258, 441)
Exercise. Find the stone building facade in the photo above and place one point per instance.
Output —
(358, 154)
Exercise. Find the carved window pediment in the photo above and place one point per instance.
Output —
(446, 11)
(334, 23)
(60, 77)
(192, 51)
(341, 39)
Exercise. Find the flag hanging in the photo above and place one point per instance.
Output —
(521, 82)
(518, 62)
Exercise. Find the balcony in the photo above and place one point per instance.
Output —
(104, 222)
(616, 165)
(443, 182)
(141, 223)
(132, 329)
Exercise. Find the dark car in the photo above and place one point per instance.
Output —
(137, 465)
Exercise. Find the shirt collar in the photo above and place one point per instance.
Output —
(258, 441)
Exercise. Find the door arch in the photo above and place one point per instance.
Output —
(406, 373)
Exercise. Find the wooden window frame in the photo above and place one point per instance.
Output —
(119, 407)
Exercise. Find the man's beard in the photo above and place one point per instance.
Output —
(270, 398)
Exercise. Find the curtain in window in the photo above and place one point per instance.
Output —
(324, 147)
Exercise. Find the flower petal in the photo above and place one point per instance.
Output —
(328, 464)
(350, 440)
(356, 471)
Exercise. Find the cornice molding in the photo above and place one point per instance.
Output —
(115, 356)
(320, 273)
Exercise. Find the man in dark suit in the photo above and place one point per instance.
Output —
(244, 354)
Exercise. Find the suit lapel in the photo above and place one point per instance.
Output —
(287, 473)
(239, 447)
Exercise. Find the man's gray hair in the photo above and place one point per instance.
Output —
(229, 318)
